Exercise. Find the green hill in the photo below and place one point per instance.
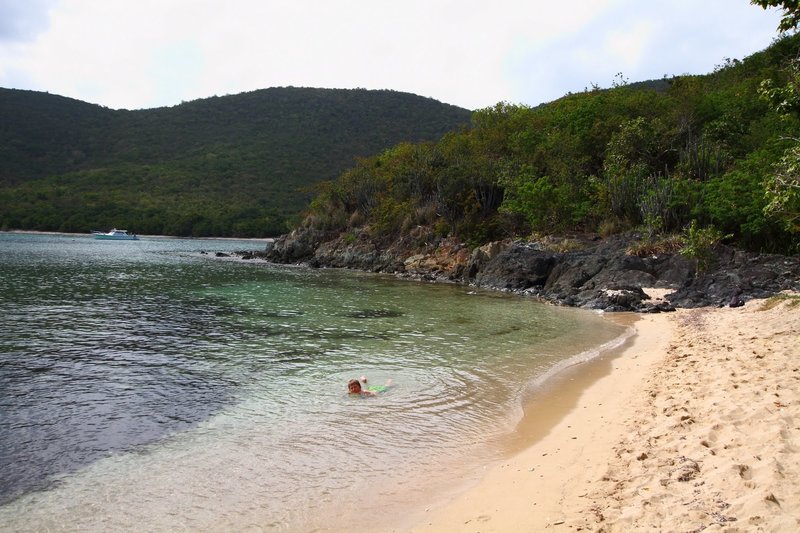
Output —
(699, 156)
(238, 165)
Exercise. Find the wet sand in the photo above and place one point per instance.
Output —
(695, 426)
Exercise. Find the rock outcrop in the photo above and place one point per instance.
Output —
(592, 273)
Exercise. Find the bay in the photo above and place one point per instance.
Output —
(148, 385)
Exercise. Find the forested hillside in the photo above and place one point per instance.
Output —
(701, 158)
(235, 165)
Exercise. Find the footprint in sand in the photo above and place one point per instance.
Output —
(745, 472)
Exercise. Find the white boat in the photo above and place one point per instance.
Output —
(115, 235)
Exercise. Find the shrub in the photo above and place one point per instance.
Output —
(666, 244)
(699, 243)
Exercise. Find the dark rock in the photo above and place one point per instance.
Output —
(573, 273)
(481, 256)
(599, 275)
(298, 246)
(517, 268)
(620, 299)
(670, 270)
(736, 300)
(738, 276)
(660, 307)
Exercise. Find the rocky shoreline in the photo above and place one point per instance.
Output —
(584, 271)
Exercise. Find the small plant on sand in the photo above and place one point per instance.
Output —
(793, 300)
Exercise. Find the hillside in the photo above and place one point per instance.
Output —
(238, 165)
(692, 159)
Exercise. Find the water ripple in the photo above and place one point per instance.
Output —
(185, 393)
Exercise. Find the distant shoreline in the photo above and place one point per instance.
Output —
(66, 234)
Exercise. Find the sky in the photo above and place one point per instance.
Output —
(137, 54)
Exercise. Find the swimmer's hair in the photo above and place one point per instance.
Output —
(353, 381)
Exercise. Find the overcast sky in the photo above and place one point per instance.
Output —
(149, 53)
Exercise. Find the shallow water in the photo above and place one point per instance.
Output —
(147, 386)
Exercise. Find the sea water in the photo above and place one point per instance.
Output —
(147, 385)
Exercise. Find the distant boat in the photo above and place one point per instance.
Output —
(115, 235)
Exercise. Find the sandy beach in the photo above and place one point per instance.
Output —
(694, 426)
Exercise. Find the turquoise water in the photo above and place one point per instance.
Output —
(147, 385)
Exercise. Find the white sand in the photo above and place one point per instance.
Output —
(697, 427)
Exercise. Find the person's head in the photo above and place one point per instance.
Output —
(354, 386)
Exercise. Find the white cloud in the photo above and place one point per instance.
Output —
(642, 41)
(23, 20)
(470, 53)
(630, 45)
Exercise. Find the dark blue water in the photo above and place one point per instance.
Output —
(186, 391)
(103, 349)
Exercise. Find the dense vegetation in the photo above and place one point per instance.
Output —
(235, 165)
(697, 155)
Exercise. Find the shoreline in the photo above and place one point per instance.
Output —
(649, 438)
(591, 273)
(89, 235)
(524, 492)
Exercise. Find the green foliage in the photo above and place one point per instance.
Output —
(699, 243)
(651, 155)
(227, 166)
(791, 12)
(782, 183)
(545, 204)
(736, 202)
(783, 190)
(703, 152)
(631, 156)
(390, 216)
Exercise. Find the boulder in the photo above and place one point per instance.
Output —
(298, 246)
(517, 268)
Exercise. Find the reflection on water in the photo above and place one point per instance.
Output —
(147, 386)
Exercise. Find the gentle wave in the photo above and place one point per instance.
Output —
(580, 358)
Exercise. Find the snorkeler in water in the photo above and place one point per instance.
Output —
(354, 387)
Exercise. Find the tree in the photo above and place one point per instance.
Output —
(783, 190)
(791, 12)
(782, 187)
